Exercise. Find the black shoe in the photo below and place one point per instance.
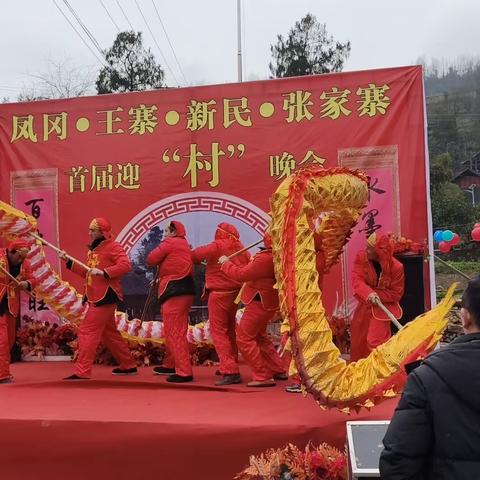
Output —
(294, 388)
(75, 377)
(126, 371)
(229, 379)
(179, 378)
(163, 371)
(280, 376)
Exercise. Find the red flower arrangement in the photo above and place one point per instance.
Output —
(38, 339)
(405, 245)
(314, 463)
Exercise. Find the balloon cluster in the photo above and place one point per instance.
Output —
(476, 232)
(446, 239)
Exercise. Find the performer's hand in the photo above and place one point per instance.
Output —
(23, 285)
(62, 254)
(222, 259)
(96, 271)
(373, 298)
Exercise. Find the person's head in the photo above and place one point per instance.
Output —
(176, 229)
(226, 231)
(470, 312)
(17, 251)
(99, 228)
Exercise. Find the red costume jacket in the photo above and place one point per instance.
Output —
(259, 278)
(389, 287)
(226, 242)
(110, 257)
(12, 292)
(174, 259)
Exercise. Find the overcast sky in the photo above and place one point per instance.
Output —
(383, 33)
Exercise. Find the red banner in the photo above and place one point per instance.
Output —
(216, 153)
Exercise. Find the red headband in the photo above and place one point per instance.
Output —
(20, 246)
(103, 225)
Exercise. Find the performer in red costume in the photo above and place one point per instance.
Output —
(376, 275)
(221, 292)
(261, 301)
(12, 260)
(175, 291)
(108, 262)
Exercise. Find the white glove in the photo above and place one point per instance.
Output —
(222, 259)
(96, 271)
(373, 298)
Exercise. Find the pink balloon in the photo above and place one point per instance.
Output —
(476, 234)
(445, 247)
(456, 240)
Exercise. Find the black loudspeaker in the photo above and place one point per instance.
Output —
(413, 301)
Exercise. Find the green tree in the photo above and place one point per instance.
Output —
(441, 170)
(130, 66)
(451, 208)
(307, 50)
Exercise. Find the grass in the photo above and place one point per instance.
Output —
(463, 265)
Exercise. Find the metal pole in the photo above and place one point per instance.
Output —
(452, 268)
(239, 38)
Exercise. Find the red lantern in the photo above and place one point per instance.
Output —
(455, 240)
(445, 247)
(476, 234)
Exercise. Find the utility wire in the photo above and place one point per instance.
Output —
(111, 18)
(84, 28)
(170, 43)
(78, 33)
(125, 15)
(156, 43)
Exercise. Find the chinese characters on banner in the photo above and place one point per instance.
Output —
(144, 157)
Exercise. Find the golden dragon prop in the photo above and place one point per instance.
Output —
(335, 198)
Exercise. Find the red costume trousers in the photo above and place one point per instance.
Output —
(379, 332)
(99, 325)
(253, 342)
(367, 332)
(221, 313)
(175, 312)
(7, 340)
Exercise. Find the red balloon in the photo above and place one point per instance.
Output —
(476, 234)
(455, 240)
(477, 225)
(445, 247)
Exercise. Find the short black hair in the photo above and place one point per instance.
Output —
(471, 300)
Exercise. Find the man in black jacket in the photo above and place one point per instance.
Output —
(435, 431)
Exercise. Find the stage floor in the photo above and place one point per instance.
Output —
(141, 427)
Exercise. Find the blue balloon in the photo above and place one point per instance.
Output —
(438, 236)
(447, 236)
